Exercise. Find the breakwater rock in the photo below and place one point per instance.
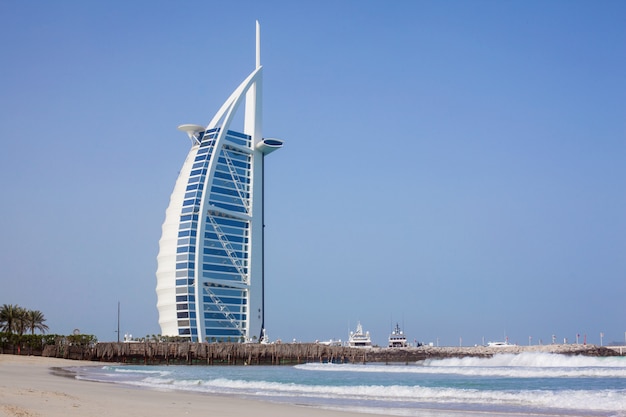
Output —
(421, 353)
(289, 353)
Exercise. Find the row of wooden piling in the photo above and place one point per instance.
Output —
(208, 353)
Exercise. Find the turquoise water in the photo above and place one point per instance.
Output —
(528, 383)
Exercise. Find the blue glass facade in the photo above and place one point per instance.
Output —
(220, 243)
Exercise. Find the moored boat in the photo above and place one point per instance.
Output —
(397, 338)
(499, 344)
(359, 339)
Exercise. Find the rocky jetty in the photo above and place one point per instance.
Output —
(413, 354)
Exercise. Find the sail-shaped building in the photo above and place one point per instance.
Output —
(210, 274)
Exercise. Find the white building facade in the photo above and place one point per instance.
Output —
(210, 274)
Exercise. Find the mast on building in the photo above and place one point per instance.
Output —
(210, 273)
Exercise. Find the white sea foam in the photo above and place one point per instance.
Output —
(524, 365)
(142, 371)
(532, 359)
(604, 400)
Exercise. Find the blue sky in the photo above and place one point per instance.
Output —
(458, 167)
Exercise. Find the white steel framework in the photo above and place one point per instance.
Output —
(210, 275)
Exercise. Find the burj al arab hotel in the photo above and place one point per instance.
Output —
(210, 283)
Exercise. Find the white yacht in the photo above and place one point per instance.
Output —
(359, 339)
(499, 344)
(397, 338)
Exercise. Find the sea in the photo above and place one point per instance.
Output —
(526, 384)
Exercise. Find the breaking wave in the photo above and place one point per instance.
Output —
(523, 365)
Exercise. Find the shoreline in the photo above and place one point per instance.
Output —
(32, 386)
(29, 387)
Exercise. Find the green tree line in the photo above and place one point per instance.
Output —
(18, 326)
(18, 320)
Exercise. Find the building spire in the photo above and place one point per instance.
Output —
(258, 44)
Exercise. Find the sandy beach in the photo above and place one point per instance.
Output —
(28, 388)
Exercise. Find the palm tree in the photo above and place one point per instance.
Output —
(9, 318)
(34, 320)
(20, 323)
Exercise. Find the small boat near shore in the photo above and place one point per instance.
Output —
(359, 339)
(499, 344)
(397, 338)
